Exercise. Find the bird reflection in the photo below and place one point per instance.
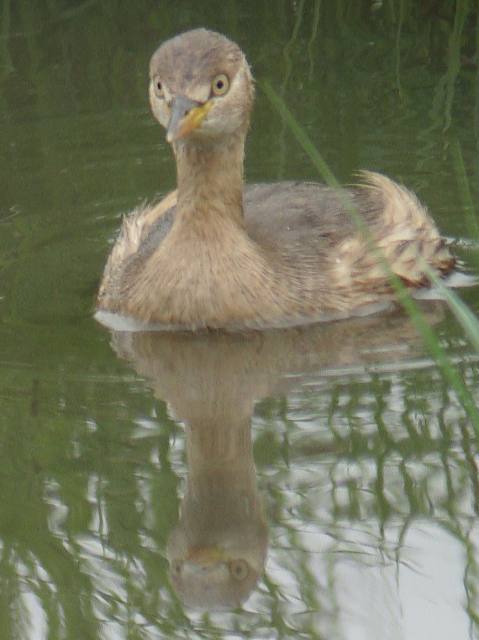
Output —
(217, 550)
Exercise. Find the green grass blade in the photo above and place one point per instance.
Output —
(461, 311)
(430, 339)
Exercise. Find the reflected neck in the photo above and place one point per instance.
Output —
(221, 465)
(210, 180)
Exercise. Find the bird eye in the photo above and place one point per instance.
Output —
(220, 85)
(158, 87)
(239, 569)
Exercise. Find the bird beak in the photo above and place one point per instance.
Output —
(186, 116)
(206, 555)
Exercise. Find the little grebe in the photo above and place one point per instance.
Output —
(216, 254)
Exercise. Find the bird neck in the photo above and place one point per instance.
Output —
(210, 181)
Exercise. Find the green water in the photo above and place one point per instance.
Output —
(318, 483)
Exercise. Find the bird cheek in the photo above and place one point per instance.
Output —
(160, 109)
(164, 114)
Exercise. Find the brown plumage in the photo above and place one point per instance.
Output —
(217, 254)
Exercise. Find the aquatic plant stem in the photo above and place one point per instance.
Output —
(430, 339)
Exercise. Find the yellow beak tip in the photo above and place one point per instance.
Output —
(188, 124)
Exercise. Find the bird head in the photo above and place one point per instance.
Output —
(201, 88)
